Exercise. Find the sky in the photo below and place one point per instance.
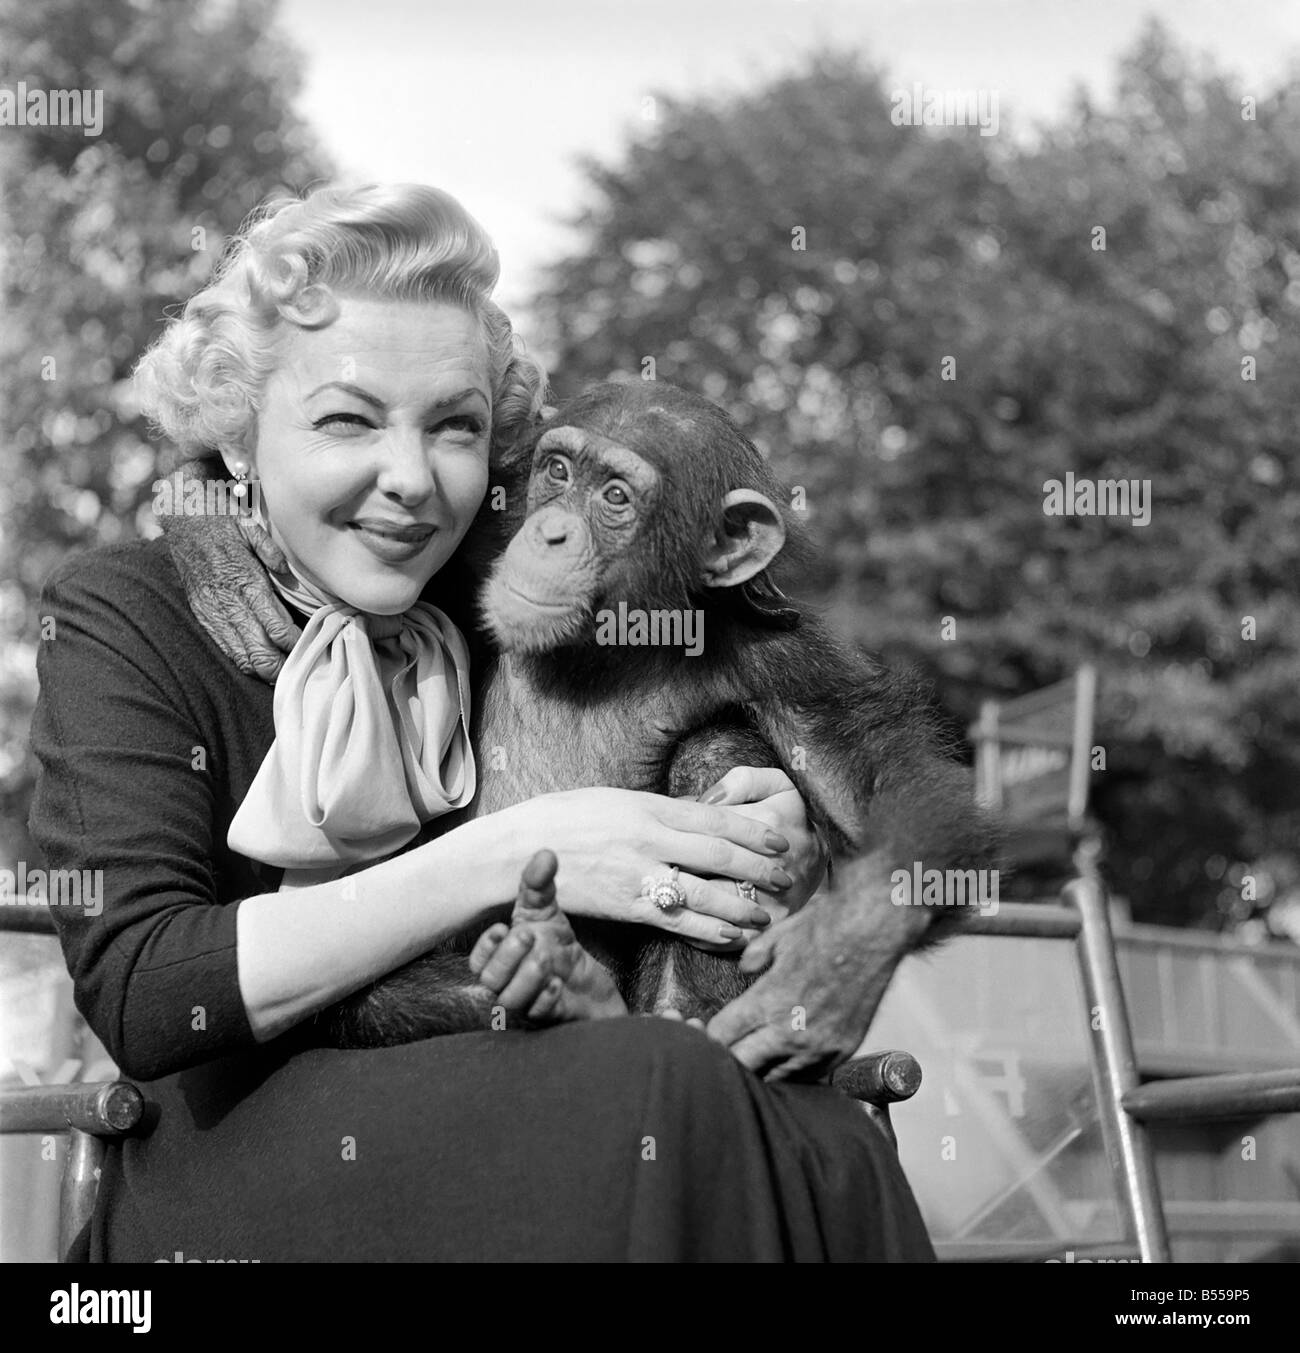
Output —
(495, 100)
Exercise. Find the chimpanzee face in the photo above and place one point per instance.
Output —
(589, 501)
(645, 496)
(591, 476)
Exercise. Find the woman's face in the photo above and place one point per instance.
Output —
(372, 446)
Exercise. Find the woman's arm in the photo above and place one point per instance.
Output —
(136, 759)
(302, 950)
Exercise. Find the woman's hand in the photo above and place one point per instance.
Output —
(768, 794)
(609, 841)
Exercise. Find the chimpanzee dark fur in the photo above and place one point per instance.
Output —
(632, 486)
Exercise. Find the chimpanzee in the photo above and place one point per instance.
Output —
(646, 509)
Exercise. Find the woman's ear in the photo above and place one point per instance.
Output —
(750, 534)
(237, 460)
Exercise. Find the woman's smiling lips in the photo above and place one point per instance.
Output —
(392, 542)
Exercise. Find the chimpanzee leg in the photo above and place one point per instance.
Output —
(434, 994)
(531, 972)
(669, 973)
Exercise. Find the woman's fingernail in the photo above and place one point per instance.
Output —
(776, 842)
(781, 880)
(715, 795)
(730, 932)
(759, 917)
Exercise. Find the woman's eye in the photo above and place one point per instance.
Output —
(469, 423)
(338, 421)
(617, 496)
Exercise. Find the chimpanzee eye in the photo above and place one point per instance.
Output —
(557, 468)
(617, 496)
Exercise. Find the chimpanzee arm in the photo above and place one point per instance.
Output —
(868, 752)
(434, 994)
(868, 755)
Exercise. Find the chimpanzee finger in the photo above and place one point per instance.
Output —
(546, 1004)
(738, 1019)
(528, 983)
(266, 659)
(485, 946)
(500, 969)
(222, 632)
(271, 616)
(262, 543)
(759, 952)
(806, 1064)
(765, 1052)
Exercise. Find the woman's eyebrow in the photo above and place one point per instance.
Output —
(354, 390)
(445, 402)
(469, 392)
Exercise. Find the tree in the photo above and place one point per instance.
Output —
(100, 235)
(924, 326)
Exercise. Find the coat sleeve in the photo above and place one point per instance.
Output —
(126, 796)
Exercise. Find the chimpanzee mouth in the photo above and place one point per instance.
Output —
(536, 602)
(524, 623)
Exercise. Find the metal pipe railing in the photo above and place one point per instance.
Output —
(1194, 1099)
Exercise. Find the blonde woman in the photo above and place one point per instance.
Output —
(267, 852)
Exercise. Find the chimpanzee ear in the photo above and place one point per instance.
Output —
(749, 536)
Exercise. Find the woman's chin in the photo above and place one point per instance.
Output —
(378, 596)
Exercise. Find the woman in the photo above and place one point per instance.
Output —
(257, 853)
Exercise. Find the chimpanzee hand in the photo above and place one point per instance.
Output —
(535, 966)
(827, 968)
(223, 563)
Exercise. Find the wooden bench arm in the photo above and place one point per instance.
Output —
(879, 1078)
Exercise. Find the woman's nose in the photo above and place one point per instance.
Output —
(406, 468)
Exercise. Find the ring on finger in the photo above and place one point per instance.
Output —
(748, 892)
(665, 892)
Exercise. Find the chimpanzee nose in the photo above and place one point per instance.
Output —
(554, 527)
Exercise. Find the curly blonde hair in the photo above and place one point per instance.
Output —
(200, 381)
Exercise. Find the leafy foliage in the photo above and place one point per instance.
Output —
(99, 236)
(926, 494)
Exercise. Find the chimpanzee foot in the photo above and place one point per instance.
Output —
(535, 965)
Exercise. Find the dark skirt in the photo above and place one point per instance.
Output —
(627, 1139)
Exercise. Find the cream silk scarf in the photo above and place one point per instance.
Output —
(372, 717)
